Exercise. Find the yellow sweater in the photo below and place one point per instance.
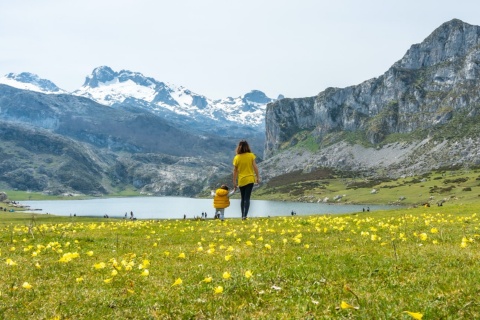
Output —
(221, 199)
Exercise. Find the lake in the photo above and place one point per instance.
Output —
(176, 207)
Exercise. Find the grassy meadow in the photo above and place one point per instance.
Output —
(400, 264)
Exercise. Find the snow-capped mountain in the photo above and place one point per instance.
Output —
(127, 88)
(30, 81)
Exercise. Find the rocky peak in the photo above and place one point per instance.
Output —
(30, 81)
(452, 39)
(256, 96)
(99, 75)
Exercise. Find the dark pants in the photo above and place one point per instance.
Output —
(245, 192)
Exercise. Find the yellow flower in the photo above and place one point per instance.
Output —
(434, 230)
(306, 246)
(10, 262)
(414, 315)
(114, 273)
(226, 275)
(267, 246)
(218, 290)
(38, 266)
(100, 265)
(108, 280)
(228, 257)
(345, 305)
(181, 255)
(200, 249)
(207, 280)
(248, 274)
(27, 285)
(145, 273)
(177, 282)
(249, 243)
(423, 236)
(90, 253)
(79, 279)
(166, 253)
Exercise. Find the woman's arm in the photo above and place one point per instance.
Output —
(255, 168)
(235, 174)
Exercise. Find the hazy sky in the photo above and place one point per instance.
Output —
(220, 48)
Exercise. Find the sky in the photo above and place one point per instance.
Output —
(220, 48)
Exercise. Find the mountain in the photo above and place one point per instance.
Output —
(30, 81)
(70, 142)
(174, 102)
(421, 114)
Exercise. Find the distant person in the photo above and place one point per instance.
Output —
(131, 214)
(245, 175)
(221, 200)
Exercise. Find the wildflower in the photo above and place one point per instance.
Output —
(145, 273)
(228, 257)
(423, 236)
(10, 262)
(27, 285)
(414, 315)
(100, 265)
(181, 255)
(434, 230)
(114, 273)
(166, 253)
(226, 275)
(267, 246)
(249, 243)
(218, 290)
(306, 246)
(108, 280)
(90, 253)
(200, 249)
(345, 305)
(177, 282)
(38, 266)
(207, 280)
(79, 279)
(248, 274)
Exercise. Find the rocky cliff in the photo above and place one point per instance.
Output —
(436, 83)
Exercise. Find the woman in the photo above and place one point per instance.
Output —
(246, 172)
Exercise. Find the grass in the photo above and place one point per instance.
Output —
(366, 266)
(460, 185)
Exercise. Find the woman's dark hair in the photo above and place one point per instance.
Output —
(243, 147)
